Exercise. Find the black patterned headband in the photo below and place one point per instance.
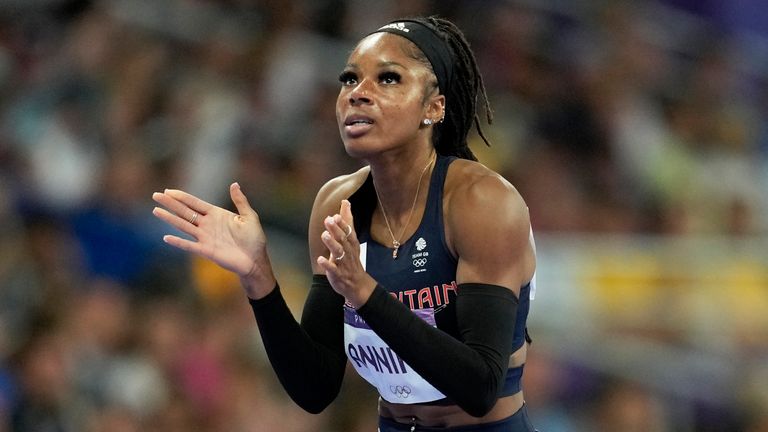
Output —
(430, 43)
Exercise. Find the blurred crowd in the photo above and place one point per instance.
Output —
(610, 117)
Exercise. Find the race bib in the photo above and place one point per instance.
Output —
(378, 364)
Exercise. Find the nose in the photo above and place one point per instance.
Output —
(360, 94)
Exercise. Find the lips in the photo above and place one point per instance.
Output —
(357, 119)
(357, 125)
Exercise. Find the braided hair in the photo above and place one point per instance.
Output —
(450, 135)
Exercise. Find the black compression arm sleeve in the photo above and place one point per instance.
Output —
(308, 358)
(469, 371)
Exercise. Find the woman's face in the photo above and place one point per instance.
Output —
(385, 94)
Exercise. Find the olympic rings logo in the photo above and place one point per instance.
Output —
(400, 391)
(420, 262)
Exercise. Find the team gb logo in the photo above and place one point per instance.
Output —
(421, 244)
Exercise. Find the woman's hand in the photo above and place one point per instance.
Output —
(343, 268)
(234, 241)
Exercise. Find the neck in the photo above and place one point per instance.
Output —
(402, 231)
(396, 183)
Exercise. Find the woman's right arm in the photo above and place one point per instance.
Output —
(308, 357)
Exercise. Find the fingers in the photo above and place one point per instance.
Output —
(344, 219)
(183, 244)
(182, 198)
(334, 236)
(178, 223)
(187, 208)
(346, 212)
(174, 220)
(240, 200)
(339, 230)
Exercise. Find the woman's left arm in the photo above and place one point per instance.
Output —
(489, 228)
(487, 224)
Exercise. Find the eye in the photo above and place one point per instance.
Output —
(389, 77)
(348, 78)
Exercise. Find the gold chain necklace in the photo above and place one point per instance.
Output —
(395, 241)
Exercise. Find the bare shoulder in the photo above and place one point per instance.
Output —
(327, 203)
(339, 188)
(487, 226)
(471, 186)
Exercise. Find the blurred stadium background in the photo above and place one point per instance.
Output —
(637, 131)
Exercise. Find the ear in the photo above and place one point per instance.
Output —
(435, 108)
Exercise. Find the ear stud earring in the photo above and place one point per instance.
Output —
(427, 122)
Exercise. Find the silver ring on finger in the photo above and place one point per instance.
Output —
(349, 231)
(193, 218)
(340, 257)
